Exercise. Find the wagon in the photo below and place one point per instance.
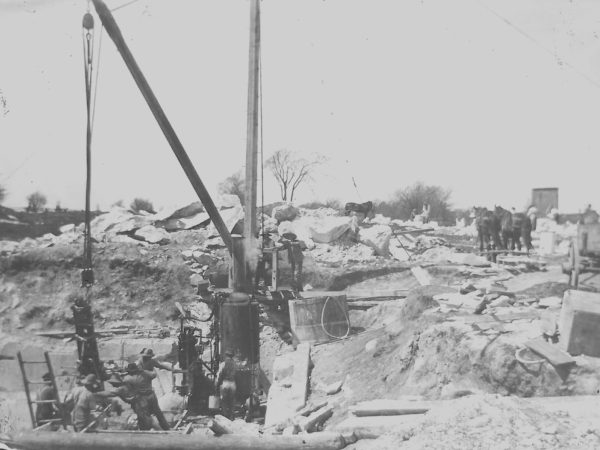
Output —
(584, 254)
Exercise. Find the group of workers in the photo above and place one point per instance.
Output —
(135, 389)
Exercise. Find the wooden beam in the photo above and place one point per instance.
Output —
(552, 353)
(311, 422)
(416, 231)
(104, 412)
(390, 408)
(171, 441)
(275, 272)
(111, 27)
(252, 130)
(374, 426)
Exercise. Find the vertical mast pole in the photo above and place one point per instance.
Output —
(252, 134)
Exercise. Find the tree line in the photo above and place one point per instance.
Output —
(292, 172)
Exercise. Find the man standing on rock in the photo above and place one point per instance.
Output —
(147, 364)
(226, 383)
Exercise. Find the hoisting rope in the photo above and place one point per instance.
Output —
(87, 275)
(87, 346)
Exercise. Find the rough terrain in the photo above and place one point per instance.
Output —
(426, 344)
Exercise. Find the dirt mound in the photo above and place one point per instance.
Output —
(491, 421)
(398, 312)
(410, 350)
(36, 287)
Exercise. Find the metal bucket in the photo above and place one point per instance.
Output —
(319, 319)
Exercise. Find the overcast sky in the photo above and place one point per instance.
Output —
(489, 98)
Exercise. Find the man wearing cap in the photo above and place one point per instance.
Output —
(147, 361)
(46, 411)
(118, 390)
(226, 384)
(84, 403)
(145, 403)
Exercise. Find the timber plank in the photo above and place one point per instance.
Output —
(553, 354)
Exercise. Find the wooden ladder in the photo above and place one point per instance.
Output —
(26, 383)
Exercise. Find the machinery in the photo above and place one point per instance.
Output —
(233, 324)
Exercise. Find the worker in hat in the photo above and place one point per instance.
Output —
(46, 411)
(295, 257)
(226, 383)
(117, 391)
(148, 361)
(84, 402)
(145, 403)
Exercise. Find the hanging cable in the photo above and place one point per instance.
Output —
(346, 318)
(96, 80)
(87, 275)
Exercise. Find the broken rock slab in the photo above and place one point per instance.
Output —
(284, 212)
(289, 389)
(377, 237)
(334, 388)
(153, 235)
(104, 222)
(230, 216)
(422, 276)
(550, 302)
(67, 228)
(132, 223)
(179, 212)
(468, 259)
(328, 229)
(196, 220)
(397, 252)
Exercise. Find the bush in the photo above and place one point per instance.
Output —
(36, 202)
(404, 201)
(140, 204)
(2, 193)
(234, 184)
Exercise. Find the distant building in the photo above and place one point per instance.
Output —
(544, 199)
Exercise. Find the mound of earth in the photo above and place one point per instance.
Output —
(409, 348)
(490, 421)
(132, 283)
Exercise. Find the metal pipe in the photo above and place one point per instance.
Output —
(171, 441)
(111, 27)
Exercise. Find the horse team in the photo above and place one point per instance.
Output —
(501, 229)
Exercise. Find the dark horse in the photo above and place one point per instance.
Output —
(521, 231)
(365, 208)
(488, 229)
(505, 220)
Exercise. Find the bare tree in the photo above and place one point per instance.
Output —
(412, 198)
(234, 184)
(36, 202)
(291, 171)
(140, 204)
